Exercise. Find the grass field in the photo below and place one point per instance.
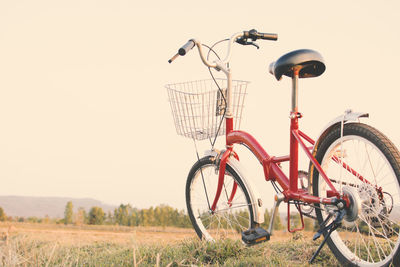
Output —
(24, 244)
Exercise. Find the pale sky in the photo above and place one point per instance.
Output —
(84, 111)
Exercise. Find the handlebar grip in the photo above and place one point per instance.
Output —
(254, 35)
(268, 36)
(186, 48)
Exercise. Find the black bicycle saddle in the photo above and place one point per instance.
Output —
(309, 62)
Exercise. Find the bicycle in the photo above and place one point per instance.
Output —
(352, 187)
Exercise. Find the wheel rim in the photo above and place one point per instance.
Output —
(227, 221)
(372, 238)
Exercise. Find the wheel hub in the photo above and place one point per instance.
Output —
(354, 208)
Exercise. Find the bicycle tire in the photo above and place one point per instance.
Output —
(371, 236)
(227, 221)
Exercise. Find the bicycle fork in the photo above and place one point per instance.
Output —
(221, 174)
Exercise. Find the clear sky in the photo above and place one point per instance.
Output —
(83, 110)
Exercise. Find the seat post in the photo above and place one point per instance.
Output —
(295, 90)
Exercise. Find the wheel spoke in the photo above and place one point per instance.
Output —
(234, 207)
(371, 233)
(366, 246)
(384, 216)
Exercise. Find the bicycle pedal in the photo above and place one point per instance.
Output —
(255, 235)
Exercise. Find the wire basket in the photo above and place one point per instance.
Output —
(198, 107)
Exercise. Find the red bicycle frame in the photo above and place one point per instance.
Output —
(272, 170)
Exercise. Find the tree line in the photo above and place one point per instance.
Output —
(162, 215)
(127, 215)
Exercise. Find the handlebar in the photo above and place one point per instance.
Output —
(254, 35)
(241, 38)
(186, 47)
(269, 36)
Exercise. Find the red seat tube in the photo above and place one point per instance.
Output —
(294, 127)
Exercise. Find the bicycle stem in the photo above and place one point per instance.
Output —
(218, 65)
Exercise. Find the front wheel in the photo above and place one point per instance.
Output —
(364, 165)
(233, 213)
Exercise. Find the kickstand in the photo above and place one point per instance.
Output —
(328, 229)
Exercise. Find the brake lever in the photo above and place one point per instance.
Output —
(255, 44)
(244, 41)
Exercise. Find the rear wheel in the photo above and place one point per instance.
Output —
(233, 213)
(369, 235)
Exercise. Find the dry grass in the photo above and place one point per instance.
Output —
(88, 234)
(25, 244)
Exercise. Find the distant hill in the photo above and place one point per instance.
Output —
(41, 206)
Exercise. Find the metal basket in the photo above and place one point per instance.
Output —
(198, 107)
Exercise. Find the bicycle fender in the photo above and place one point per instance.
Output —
(348, 116)
(255, 197)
